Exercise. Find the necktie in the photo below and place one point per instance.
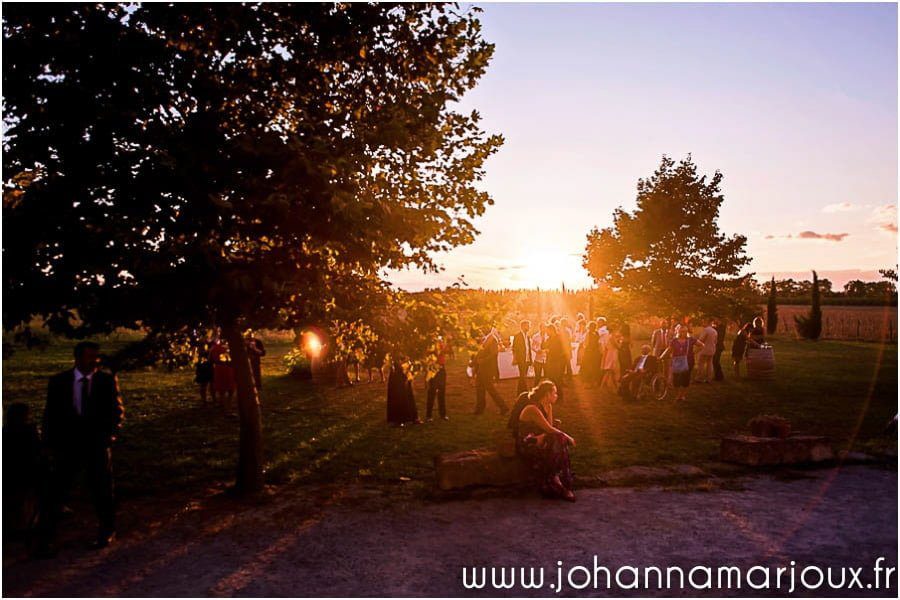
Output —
(85, 389)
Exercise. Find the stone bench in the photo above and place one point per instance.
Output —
(484, 466)
(765, 451)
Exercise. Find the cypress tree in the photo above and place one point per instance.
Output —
(810, 327)
(772, 310)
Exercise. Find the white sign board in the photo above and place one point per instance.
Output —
(510, 371)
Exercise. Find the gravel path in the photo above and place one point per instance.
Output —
(357, 541)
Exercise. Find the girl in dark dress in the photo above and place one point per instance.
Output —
(544, 447)
(401, 402)
(590, 362)
(758, 332)
(739, 348)
(555, 367)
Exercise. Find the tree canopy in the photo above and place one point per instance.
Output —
(669, 252)
(244, 164)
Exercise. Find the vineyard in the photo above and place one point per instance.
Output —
(863, 323)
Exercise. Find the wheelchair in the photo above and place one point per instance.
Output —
(651, 386)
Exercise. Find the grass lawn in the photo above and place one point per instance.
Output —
(845, 390)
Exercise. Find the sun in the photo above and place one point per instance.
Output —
(548, 270)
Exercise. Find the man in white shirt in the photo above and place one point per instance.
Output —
(539, 353)
(659, 339)
(708, 338)
(521, 349)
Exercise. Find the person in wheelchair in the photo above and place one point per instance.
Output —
(642, 371)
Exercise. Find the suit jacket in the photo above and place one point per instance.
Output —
(486, 359)
(101, 417)
(649, 366)
(659, 341)
(720, 338)
(521, 356)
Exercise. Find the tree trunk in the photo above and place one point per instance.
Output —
(250, 458)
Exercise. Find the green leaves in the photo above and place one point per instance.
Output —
(669, 251)
(251, 160)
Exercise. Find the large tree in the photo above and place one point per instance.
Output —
(669, 251)
(234, 164)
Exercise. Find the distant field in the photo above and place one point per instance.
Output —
(865, 323)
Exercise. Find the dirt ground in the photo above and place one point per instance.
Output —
(329, 541)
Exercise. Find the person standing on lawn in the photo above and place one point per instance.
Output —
(83, 414)
(437, 383)
(486, 372)
(565, 337)
(539, 352)
(203, 370)
(719, 326)
(681, 351)
(739, 348)
(224, 385)
(521, 349)
(708, 339)
(556, 359)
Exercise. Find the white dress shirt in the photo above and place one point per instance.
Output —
(537, 345)
(708, 338)
(77, 400)
(641, 362)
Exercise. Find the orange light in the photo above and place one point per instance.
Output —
(312, 344)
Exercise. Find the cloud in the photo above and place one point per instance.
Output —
(840, 207)
(831, 237)
(810, 235)
(885, 217)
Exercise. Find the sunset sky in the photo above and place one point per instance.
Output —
(795, 104)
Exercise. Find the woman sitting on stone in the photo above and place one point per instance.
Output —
(540, 443)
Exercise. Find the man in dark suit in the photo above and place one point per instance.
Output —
(486, 371)
(521, 349)
(719, 326)
(83, 413)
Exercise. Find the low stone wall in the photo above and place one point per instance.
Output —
(765, 451)
(484, 466)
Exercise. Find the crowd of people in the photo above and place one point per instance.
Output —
(214, 372)
(600, 351)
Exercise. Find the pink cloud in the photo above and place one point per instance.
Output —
(885, 217)
(831, 237)
(840, 207)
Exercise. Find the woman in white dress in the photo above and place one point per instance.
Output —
(610, 363)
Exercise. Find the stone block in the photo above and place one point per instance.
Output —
(505, 444)
(688, 471)
(763, 451)
(479, 467)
